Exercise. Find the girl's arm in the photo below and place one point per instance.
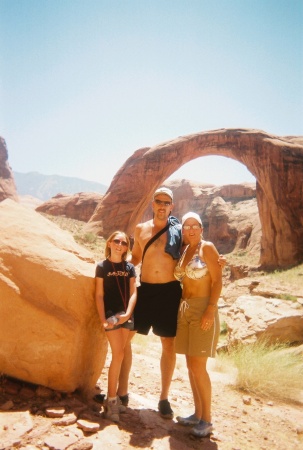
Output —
(133, 296)
(132, 301)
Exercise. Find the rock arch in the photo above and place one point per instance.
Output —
(276, 162)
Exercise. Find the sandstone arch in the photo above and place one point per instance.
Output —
(276, 162)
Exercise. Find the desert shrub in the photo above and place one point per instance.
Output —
(268, 370)
(223, 327)
(90, 238)
(87, 238)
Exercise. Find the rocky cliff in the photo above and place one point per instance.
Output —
(7, 183)
(80, 206)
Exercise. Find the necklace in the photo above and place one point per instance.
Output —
(120, 290)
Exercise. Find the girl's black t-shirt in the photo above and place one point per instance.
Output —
(116, 283)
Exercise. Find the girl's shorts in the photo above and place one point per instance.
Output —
(128, 325)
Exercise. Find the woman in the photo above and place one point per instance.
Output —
(116, 296)
(198, 320)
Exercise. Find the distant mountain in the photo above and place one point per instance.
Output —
(45, 187)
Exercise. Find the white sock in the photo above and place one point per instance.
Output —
(112, 399)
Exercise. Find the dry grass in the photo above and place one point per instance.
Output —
(288, 276)
(268, 370)
(243, 257)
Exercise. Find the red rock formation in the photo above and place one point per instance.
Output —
(50, 330)
(79, 206)
(190, 195)
(7, 183)
(276, 162)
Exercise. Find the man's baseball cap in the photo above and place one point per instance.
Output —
(163, 190)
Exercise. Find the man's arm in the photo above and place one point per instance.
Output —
(136, 254)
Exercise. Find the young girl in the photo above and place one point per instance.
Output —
(116, 296)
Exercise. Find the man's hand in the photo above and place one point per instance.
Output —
(222, 261)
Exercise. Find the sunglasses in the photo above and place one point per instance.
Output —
(160, 202)
(194, 227)
(118, 242)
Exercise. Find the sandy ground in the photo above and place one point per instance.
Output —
(262, 424)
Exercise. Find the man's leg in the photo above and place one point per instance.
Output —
(167, 364)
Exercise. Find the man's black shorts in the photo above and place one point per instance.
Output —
(157, 308)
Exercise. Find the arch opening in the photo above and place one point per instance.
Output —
(217, 170)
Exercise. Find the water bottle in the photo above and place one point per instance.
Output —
(112, 319)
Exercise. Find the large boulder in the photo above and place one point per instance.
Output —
(80, 206)
(50, 331)
(7, 183)
(254, 317)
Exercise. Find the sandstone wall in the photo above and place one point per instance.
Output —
(7, 183)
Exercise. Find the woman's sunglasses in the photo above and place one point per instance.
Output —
(194, 227)
(118, 242)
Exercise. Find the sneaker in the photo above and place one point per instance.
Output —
(111, 410)
(122, 408)
(124, 399)
(165, 410)
(202, 429)
(188, 421)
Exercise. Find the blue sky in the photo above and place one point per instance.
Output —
(85, 83)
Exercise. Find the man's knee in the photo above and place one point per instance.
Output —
(168, 344)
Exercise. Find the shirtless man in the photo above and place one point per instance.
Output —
(159, 294)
